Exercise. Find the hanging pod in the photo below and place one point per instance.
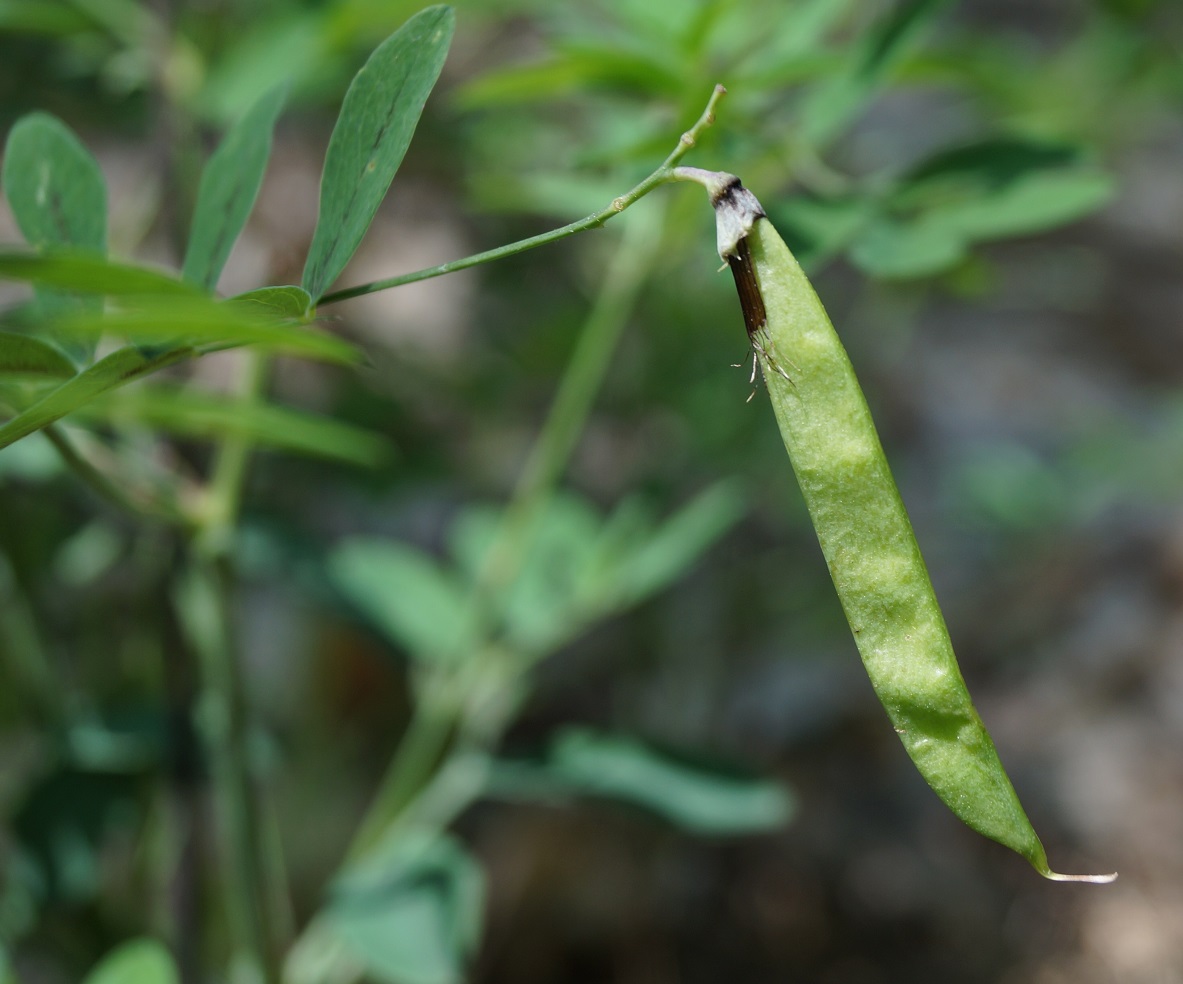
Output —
(862, 526)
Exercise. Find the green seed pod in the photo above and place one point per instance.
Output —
(863, 528)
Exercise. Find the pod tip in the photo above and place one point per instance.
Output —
(1090, 879)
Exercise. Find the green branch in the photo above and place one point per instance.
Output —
(593, 221)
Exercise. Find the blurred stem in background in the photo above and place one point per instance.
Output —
(137, 498)
(252, 879)
(483, 692)
(632, 263)
(204, 602)
(27, 666)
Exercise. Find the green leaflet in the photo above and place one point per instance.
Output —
(54, 185)
(59, 198)
(90, 273)
(408, 597)
(378, 118)
(960, 197)
(281, 302)
(937, 214)
(410, 914)
(155, 307)
(118, 369)
(579, 567)
(692, 795)
(39, 17)
(277, 44)
(214, 324)
(198, 414)
(23, 355)
(863, 528)
(229, 186)
(140, 961)
(170, 320)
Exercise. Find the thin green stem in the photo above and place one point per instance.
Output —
(627, 273)
(26, 663)
(419, 751)
(203, 604)
(593, 221)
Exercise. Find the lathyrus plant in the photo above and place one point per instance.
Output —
(522, 580)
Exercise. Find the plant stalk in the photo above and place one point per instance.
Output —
(419, 751)
(551, 453)
(593, 221)
(206, 605)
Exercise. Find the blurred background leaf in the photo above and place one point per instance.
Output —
(413, 916)
(141, 961)
(413, 602)
(692, 795)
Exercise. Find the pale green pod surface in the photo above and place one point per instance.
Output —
(863, 528)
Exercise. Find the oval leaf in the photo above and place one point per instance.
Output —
(894, 250)
(658, 559)
(54, 185)
(142, 961)
(282, 302)
(413, 914)
(38, 17)
(59, 198)
(406, 596)
(694, 797)
(378, 118)
(229, 186)
(990, 163)
(1034, 204)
